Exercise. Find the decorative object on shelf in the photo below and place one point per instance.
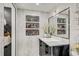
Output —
(32, 25)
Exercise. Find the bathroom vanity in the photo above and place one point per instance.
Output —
(59, 30)
(54, 46)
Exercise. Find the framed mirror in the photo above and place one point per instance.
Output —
(59, 25)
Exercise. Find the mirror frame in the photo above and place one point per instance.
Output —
(68, 22)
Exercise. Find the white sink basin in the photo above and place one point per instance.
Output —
(55, 41)
(50, 39)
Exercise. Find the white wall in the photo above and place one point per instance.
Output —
(1, 30)
(74, 25)
(57, 10)
(28, 45)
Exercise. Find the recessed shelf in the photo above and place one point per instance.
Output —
(61, 20)
(32, 32)
(61, 23)
(31, 28)
(59, 31)
(61, 26)
(32, 18)
(32, 25)
(31, 22)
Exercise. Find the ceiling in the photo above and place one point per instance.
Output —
(43, 7)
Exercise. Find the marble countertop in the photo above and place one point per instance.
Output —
(55, 41)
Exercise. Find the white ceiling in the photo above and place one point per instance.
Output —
(43, 7)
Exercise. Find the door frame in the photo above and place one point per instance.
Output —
(10, 5)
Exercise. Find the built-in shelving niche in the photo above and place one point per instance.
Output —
(61, 26)
(32, 25)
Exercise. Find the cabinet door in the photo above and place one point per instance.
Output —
(61, 50)
(44, 49)
(47, 50)
(41, 48)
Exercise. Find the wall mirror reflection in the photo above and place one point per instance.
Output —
(7, 31)
(59, 25)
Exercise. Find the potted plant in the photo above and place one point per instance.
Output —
(52, 30)
(45, 31)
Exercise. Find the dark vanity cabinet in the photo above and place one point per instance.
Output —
(45, 50)
(61, 50)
